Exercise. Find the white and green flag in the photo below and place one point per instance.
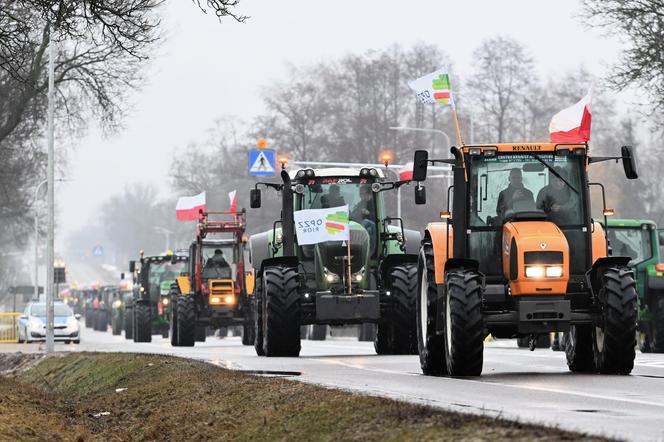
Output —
(319, 225)
(433, 88)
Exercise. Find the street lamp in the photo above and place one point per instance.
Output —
(166, 232)
(423, 129)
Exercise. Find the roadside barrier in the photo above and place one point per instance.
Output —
(9, 327)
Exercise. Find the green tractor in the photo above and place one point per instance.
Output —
(149, 310)
(640, 240)
(370, 279)
(122, 294)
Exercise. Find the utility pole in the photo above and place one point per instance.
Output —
(50, 243)
(34, 203)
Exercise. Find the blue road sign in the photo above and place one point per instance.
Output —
(261, 162)
(97, 251)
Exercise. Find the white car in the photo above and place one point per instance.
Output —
(32, 324)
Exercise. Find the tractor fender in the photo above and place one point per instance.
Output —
(441, 242)
(462, 263)
(183, 284)
(259, 248)
(594, 275)
(413, 241)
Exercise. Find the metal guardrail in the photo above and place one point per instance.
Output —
(9, 327)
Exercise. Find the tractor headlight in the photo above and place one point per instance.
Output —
(535, 272)
(117, 303)
(165, 301)
(329, 276)
(358, 276)
(554, 271)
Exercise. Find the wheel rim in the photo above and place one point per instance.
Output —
(424, 307)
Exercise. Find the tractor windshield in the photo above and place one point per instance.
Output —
(162, 274)
(352, 191)
(506, 185)
(218, 261)
(634, 242)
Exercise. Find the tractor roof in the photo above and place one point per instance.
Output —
(525, 147)
(337, 171)
(218, 241)
(628, 222)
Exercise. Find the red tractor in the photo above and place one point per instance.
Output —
(216, 291)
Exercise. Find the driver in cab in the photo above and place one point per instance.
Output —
(555, 199)
(217, 266)
(516, 197)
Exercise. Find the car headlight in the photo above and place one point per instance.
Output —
(117, 303)
(358, 276)
(329, 276)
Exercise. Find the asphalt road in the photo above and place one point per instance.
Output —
(516, 383)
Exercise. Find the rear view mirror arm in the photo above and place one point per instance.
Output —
(275, 186)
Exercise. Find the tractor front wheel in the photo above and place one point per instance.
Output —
(186, 321)
(615, 338)
(578, 345)
(397, 334)
(173, 325)
(430, 345)
(657, 340)
(143, 325)
(464, 323)
(129, 322)
(201, 333)
(281, 312)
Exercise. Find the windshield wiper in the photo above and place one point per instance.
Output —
(553, 171)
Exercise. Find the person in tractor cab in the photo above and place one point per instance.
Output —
(516, 197)
(620, 248)
(333, 198)
(364, 212)
(555, 199)
(217, 266)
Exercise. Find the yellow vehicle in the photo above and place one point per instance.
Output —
(520, 256)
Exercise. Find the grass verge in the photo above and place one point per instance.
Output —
(169, 398)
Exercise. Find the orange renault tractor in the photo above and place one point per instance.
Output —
(520, 256)
(216, 291)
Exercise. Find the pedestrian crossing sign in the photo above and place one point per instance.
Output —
(261, 162)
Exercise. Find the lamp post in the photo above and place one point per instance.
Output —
(167, 233)
(34, 201)
(423, 129)
(50, 243)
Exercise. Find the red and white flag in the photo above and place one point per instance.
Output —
(572, 125)
(189, 207)
(406, 173)
(232, 196)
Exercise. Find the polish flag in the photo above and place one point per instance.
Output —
(572, 125)
(232, 196)
(406, 173)
(188, 207)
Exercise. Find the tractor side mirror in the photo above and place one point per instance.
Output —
(132, 266)
(660, 233)
(420, 195)
(420, 163)
(255, 198)
(629, 162)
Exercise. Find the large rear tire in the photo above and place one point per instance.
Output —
(281, 312)
(578, 344)
(201, 333)
(186, 321)
(464, 323)
(143, 331)
(248, 328)
(318, 332)
(129, 322)
(258, 318)
(115, 325)
(657, 340)
(173, 324)
(367, 332)
(430, 345)
(615, 338)
(397, 333)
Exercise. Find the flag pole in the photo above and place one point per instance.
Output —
(349, 274)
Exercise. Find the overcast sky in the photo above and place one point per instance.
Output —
(204, 70)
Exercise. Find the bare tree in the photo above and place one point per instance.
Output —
(641, 24)
(500, 83)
